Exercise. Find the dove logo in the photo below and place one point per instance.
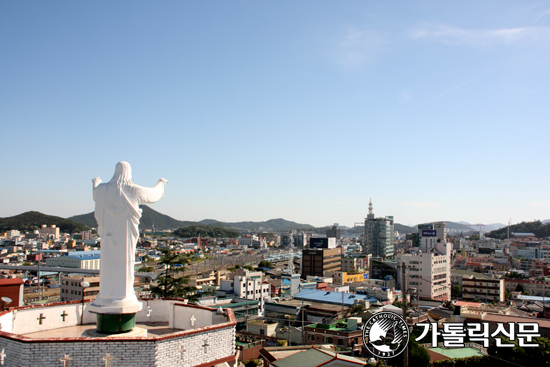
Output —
(385, 334)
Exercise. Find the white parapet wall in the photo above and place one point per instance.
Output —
(201, 337)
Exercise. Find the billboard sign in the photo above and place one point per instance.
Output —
(322, 242)
(428, 226)
(429, 233)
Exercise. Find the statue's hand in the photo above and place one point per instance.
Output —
(163, 180)
(96, 181)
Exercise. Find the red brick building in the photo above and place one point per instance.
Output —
(12, 288)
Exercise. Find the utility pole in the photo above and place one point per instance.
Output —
(404, 308)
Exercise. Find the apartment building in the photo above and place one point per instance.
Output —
(317, 261)
(430, 272)
(71, 288)
(486, 290)
(247, 285)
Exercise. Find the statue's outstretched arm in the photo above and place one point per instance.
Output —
(149, 195)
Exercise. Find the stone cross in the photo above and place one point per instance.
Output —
(108, 360)
(205, 345)
(63, 315)
(182, 351)
(193, 319)
(66, 360)
(42, 317)
(2, 356)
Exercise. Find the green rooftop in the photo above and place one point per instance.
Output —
(457, 352)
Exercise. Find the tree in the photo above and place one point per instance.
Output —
(418, 356)
(265, 264)
(170, 283)
(456, 291)
(507, 294)
(519, 288)
(357, 309)
(145, 269)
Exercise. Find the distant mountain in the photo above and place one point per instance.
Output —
(488, 227)
(148, 217)
(540, 229)
(29, 221)
(205, 231)
(546, 221)
(163, 222)
(272, 225)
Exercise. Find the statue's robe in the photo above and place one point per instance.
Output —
(117, 213)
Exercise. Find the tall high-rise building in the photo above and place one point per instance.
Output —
(379, 235)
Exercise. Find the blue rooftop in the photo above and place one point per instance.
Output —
(84, 255)
(314, 295)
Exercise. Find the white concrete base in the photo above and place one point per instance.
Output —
(136, 332)
(115, 306)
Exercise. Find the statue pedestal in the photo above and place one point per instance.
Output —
(115, 323)
(115, 317)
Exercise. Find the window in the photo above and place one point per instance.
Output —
(310, 337)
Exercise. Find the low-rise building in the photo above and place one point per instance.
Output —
(71, 288)
(345, 333)
(342, 277)
(533, 287)
(484, 289)
(77, 259)
(360, 263)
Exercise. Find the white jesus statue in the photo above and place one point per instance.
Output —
(117, 213)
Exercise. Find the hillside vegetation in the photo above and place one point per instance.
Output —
(29, 221)
(205, 231)
(540, 229)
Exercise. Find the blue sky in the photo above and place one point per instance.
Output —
(300, 110)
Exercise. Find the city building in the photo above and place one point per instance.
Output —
(51, 232)
(342, 277)
(71, 288)
(533, 287)
(247, 285)
(486, 290)
(360, 263)
(379, 235)
(77, 259)
(316, 261)
(334, 232)
(12, 288)
(430, 234)
(206, 279)
(429, 272)
(345, 333)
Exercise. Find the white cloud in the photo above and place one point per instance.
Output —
(358, 47)
(460, 36)
(423, 204)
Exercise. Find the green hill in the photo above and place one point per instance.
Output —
(205, 231)
(540, 229)
(148, 217)
(272, 225)
(29, 221)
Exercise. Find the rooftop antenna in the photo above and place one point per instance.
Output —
(370, 206)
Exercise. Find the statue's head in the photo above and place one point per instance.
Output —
(123, 173)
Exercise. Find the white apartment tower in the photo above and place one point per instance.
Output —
(430, 272)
